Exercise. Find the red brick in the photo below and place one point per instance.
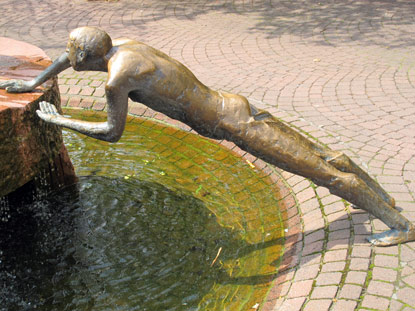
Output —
(349, 291)
(383, 274)
(320, 292)
(333, 266)
(300, 289)
(380, 288)
(344, 305)
(374, 302)
(318, 305)
(307, 272)
(359, 264)
(336, 255)
(386, 261)
(329, 278)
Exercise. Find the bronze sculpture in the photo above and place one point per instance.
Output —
(146, 75)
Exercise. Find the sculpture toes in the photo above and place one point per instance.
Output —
(390, 237)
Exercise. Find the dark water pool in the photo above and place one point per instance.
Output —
(162, 220)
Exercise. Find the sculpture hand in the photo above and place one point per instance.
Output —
(48, 112)
(17, 86)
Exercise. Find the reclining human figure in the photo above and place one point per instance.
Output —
(148, 76)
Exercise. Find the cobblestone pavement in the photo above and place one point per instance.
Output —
(340, 71)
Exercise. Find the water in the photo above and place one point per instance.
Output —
(142, 229)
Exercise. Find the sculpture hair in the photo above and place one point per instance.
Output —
(93, 41)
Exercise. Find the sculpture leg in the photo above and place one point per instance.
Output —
(353, 189)
(276, 143)
(343, 163)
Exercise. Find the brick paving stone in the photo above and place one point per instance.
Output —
(361, 251)
(391, 250)
(338, 244)
(380, 288)
(321, 292)
(329, 278)
(313, 237)
(383, 274)
(409, 280)
(386, 261)
(318, 305)
(406, 295)
(307, 272)
(305, 195)
(313, 248)
(344, 305)
(360, 218)
(310, 260)
(333, 266)
(339, 235)
(376, 303)
(359, 264)
(339, 224)
(350, 87)
(395, 306)
(349, 291)
(300, 289)
(292, 304)
(336, 255)
(309, 205)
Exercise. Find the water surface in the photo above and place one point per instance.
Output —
(162, 220)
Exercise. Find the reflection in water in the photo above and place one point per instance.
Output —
(114, 245)
(142, 227)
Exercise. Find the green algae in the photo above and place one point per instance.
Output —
(150, 215)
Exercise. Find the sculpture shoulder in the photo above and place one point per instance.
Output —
(128, 65)
(124, 41)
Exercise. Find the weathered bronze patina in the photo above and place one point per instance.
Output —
(146, 75)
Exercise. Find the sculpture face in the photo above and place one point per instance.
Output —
(76, 55)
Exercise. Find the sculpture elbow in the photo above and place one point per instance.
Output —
(109, 136)
(112, 138)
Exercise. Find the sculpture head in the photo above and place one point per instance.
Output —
(87, 48)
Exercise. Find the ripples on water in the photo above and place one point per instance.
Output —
(139, 233)
(112, 244)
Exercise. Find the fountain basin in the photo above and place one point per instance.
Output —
(161, 220)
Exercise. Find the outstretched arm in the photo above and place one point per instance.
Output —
(111, 130)
(21, 86)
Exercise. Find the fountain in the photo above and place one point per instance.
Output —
(162, 220)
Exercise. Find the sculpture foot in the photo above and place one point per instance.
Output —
(392, 237)
(392, 204)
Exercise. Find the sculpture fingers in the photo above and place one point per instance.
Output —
(16, 86)
(6, 84)
(47, 111)
(42, 106)
(55, 111)
(47, 108)
(43, 116)
(14, 89)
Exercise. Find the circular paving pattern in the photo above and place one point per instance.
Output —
(342, 72)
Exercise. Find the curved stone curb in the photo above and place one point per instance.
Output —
(342, 72)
